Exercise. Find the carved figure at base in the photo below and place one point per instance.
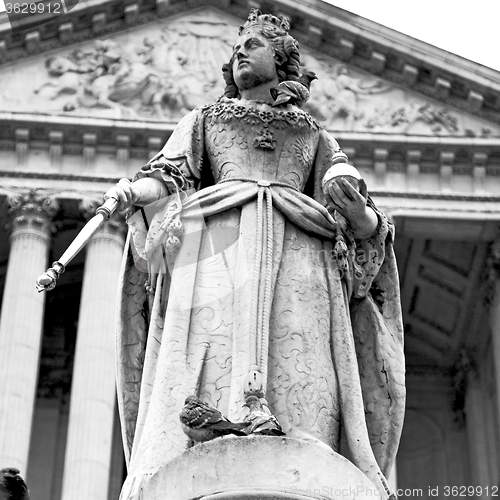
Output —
(260, 419)
(243, 277)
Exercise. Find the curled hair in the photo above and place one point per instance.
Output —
(231, 89)
(286, 49)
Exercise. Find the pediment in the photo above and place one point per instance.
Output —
(160, 70)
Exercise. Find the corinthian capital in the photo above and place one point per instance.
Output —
(31, 211)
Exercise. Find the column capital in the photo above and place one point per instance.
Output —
(31, 211)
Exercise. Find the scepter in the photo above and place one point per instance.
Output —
(47, 280)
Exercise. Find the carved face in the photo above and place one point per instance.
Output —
(254, 61)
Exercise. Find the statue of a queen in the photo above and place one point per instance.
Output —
(241, 273)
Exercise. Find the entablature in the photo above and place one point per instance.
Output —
(407, 172)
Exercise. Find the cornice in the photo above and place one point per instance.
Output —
(50, 119)
(364, 44)
(76, 133)
(15, 126)
(438, 196)
(15, 174)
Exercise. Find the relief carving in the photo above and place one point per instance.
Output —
(157, 78)
(439, 119)
(340, 95)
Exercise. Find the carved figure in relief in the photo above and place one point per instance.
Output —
(157, 79)
(67, 73)
(102, 79)
(406, 116)
(243, 278)
(341, 94)
(165, 57)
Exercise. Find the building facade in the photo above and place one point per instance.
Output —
(89, 97)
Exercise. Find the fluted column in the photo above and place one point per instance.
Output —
(21, 323)
(92, 404)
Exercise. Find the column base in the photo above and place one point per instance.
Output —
(260, 467)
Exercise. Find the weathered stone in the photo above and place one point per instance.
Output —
(267, 468)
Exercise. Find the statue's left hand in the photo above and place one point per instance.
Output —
(349, 202)
(346, 199)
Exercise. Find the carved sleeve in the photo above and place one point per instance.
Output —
(378, 335)
(178, 164)
(370, 254)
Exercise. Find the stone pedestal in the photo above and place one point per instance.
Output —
(259, 467)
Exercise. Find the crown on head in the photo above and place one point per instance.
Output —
(256, 18)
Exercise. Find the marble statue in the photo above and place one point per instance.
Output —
(242, 276)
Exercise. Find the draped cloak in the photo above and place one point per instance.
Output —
(239, 269)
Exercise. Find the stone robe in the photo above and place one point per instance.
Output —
(262, 279)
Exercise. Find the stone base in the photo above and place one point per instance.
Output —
(260, 467)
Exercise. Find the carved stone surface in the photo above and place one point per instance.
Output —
(32, 212)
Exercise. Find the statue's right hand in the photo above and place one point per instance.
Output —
(123, 192)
